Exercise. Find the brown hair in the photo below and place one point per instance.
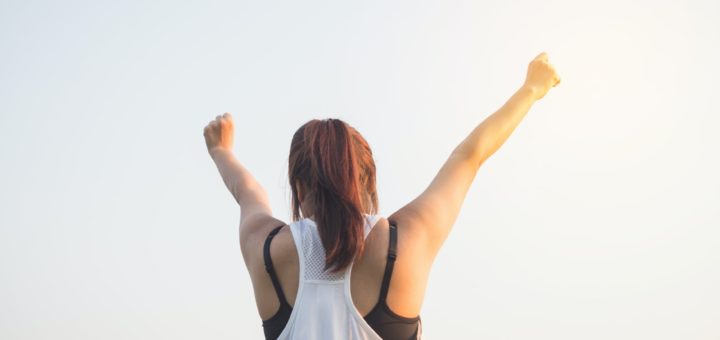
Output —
(334, 163)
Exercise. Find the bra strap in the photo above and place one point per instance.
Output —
(269, 266)
(392, 254)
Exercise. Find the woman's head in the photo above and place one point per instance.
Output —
(332, 167)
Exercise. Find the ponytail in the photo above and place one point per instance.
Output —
(334, 164)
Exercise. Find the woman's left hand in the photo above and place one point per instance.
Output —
(219, 133)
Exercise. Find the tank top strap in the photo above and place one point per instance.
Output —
(389, 266)
(270, 269)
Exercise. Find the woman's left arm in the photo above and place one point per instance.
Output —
(243, 186)
(239, 181)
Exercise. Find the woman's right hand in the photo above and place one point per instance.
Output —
(541, 76)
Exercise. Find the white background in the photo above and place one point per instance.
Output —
(598, 219)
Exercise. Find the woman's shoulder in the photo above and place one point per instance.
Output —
(253, 254)
(410, 271)
(282, 247)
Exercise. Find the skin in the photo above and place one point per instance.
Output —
(423, 224)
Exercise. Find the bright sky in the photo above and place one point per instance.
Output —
(598, 219)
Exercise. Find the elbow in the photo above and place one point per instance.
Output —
(473, 154)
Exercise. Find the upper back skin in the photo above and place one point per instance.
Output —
(407, 286)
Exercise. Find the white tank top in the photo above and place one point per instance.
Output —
(323, 306)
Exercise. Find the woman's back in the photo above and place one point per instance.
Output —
(404, 291)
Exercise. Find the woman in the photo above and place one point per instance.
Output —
(340, 271)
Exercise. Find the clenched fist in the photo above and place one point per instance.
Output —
(219, 133)
(541, 76)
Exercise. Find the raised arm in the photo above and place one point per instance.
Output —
(245, 189)
(432, 214)
(238, 179)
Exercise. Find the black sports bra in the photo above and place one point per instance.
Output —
(381, 318)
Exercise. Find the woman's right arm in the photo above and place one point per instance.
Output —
(432, 214)
(492, 133)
